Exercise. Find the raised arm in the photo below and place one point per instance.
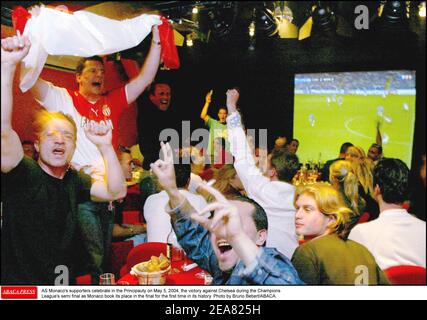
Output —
(165, 172)
(114, 185)
(252, 178)
(148, 72)
(379, 140)
(40, 89)
(13, 50)
(204, 114)
(194, 238)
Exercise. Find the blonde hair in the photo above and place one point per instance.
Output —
(43, 117)
(329, 202)
(363, 168)
(223, 176)
(342, 171)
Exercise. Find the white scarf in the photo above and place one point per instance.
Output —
(82, 34)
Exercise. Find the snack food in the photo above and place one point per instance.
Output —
(153, 271)
(154, 264)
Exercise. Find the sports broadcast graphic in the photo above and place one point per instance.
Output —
(332, 108)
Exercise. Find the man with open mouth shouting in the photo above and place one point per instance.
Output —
(40, 199)
(230, 244)
(156, 112)
(91, 103)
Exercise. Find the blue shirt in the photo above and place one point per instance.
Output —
(270, 267)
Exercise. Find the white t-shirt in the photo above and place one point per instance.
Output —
(158, 220)
(395, 238)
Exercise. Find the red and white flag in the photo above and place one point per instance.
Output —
(82, 33)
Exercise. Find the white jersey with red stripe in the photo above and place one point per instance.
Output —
(108, 109)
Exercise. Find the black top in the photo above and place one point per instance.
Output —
(371, 205)
(325, 170)
(39, 223)
(150, 123)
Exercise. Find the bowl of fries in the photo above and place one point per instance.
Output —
(153, 271)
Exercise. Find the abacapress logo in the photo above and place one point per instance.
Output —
(15, 292)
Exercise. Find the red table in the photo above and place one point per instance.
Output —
(182, 277)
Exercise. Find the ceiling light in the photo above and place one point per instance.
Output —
(284, 18)
(422, 9)
(324, 20)
(266, 22)
(189, 41)
(252, 29)
(283, 12)
(394, 14)
(322, 23)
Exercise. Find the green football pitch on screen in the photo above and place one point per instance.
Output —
(334, 108)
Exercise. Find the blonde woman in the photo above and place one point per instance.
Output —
(228, 182)
(329, 258)
(343, 179)
(363, 168)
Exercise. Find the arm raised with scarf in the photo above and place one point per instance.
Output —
(13, 50)
(87, 35)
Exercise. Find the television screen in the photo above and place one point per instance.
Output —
(333, 108)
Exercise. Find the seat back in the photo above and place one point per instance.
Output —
(119, 253)
(143, 252)
(85, 279)
(364, 218)
(406, 275)
(132, 217)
